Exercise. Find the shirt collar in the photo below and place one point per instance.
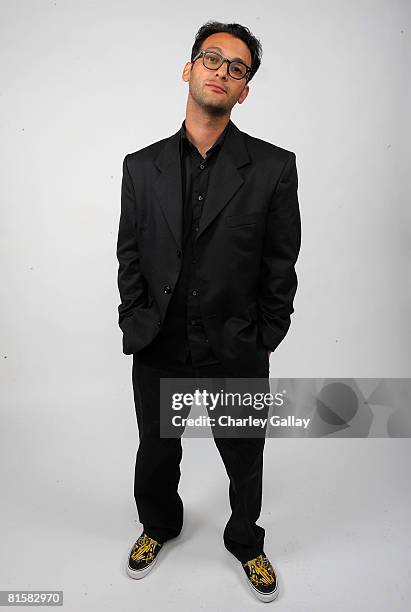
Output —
(184, 140)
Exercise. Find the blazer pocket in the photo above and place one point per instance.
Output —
(243, 220)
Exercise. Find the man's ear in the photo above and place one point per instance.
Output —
(186, 71)
(243, 94)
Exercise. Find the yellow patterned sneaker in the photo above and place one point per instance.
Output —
(142, 556)
(261, 578)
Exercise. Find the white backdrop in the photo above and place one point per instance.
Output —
(85, 82)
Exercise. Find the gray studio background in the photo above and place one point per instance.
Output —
(83, 83)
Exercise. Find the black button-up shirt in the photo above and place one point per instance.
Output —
(183, 335)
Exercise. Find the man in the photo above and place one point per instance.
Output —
(208, 239)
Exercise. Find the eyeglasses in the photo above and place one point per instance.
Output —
(213, 61)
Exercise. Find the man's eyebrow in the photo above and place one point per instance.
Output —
(234, 59)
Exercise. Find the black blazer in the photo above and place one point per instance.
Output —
(247, 244)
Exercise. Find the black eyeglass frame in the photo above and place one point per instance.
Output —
(223, 59)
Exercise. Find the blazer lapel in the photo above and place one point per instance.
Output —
(168, 186)
(225, 180)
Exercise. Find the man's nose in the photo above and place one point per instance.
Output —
(223, 70)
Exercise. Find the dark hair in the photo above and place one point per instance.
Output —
(235, 29)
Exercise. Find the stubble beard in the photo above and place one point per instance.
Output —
(215, 109)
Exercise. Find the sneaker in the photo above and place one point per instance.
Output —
(261, 578)
(143, 556)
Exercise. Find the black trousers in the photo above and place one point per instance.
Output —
(157, 468)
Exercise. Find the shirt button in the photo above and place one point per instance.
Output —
(167, 289)
(202, 166)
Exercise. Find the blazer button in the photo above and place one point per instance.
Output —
(159, 323)
(167, 289)
(178, 253)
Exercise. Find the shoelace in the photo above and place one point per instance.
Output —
(144, 549)
(261, 570)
